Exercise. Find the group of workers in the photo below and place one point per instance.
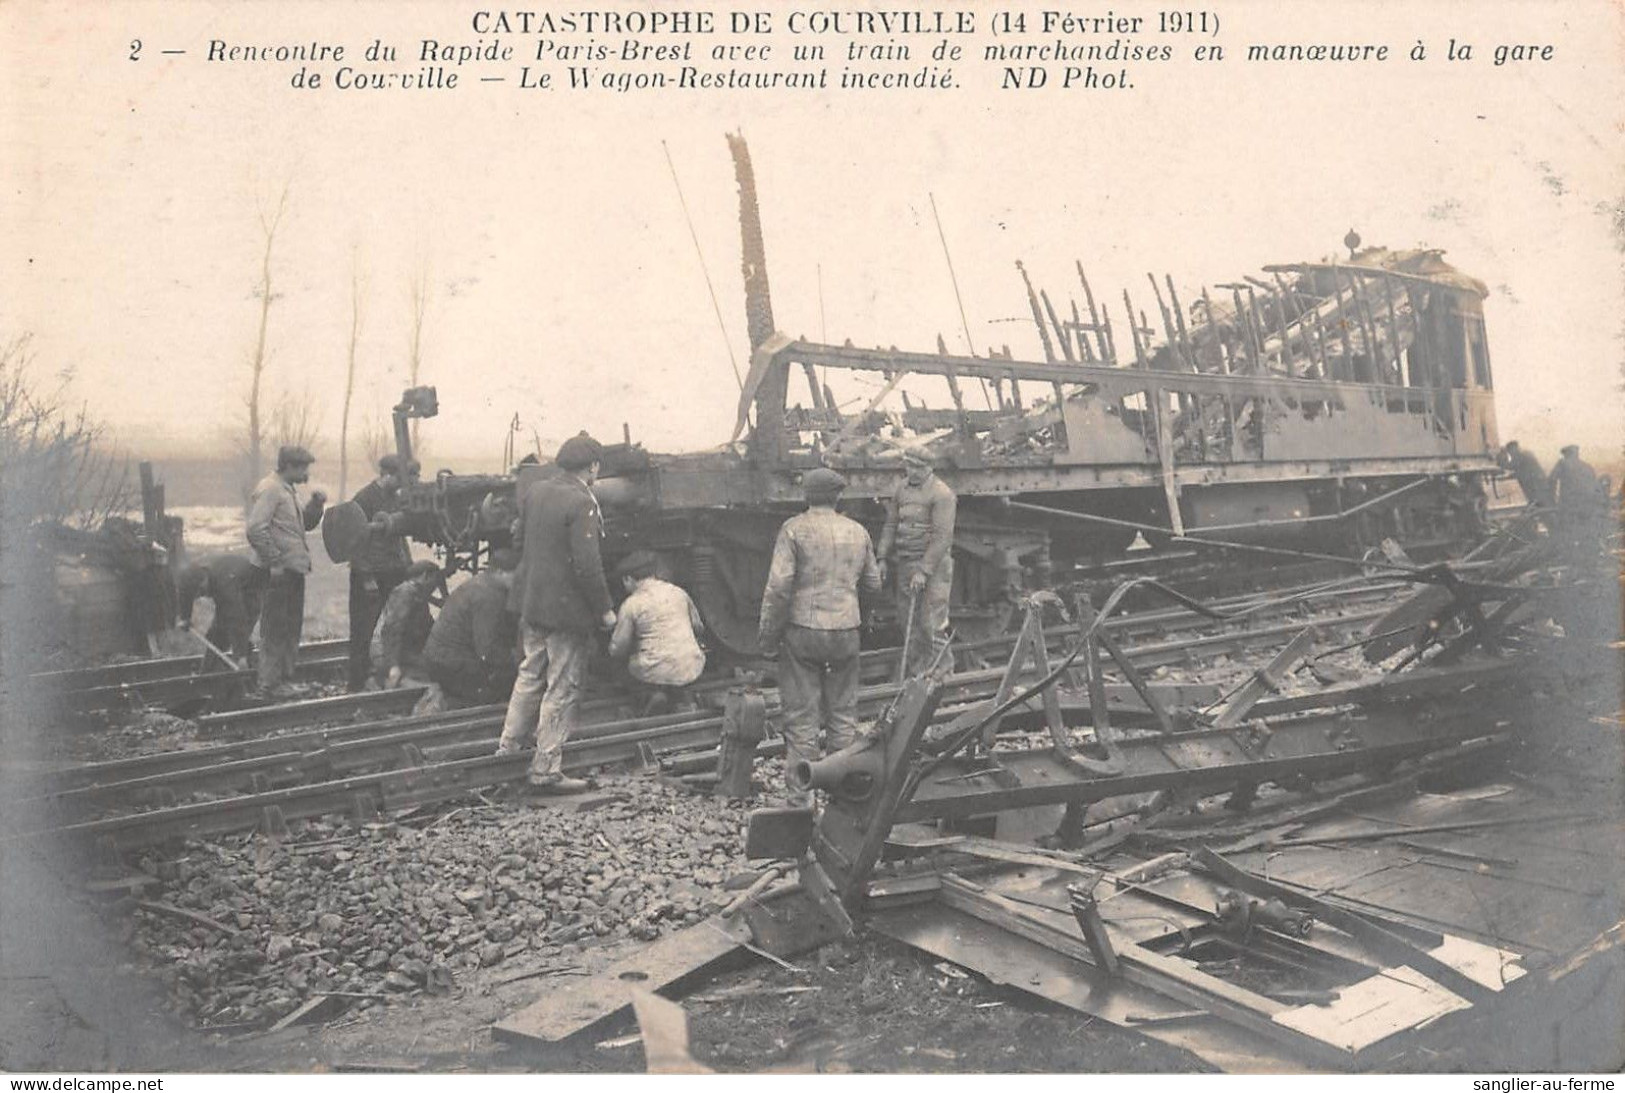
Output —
(526, 626)
(811, 611)
(1573, 496)
(1572, 486)
(393, 633)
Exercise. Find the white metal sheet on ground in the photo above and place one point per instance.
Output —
(1483, 964)
(1025, 965)
(1368, 1012)
(565, 1011)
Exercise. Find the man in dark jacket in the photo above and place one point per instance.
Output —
(233, 584)
(378, 565)
(562, 599)
(470, 653)
(1574, 483)
(404, 625)
(1578, 497)
(1526, 469)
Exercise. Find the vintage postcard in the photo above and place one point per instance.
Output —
(776, 538)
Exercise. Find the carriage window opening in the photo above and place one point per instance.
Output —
(1479, 348)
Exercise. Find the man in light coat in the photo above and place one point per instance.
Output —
(918, 540)
(277, 524)
(810, 615)
(657, 633)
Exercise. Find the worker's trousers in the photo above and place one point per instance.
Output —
(818, 686)
(368, 591)
(469, 680)
(282, 620)
(925, 627)
(236, 610)
(545, 697)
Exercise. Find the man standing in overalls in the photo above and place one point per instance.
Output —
(916, 547)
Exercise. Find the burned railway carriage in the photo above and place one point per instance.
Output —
(1344, 402)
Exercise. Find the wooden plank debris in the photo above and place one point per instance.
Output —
(190, 916)
(585, 1003)
(316, 1009)
(665, 1036)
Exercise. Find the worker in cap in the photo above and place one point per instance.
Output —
(379, 564)
(810, 617)
(276, 528)
(579, 453)
(1575, 491)
(294, 455)
(1526, 469)
(562, 600)
(232, 583)
(916, 550)
(822, 486)
(470, 652)
(403, 627)
(657, 631)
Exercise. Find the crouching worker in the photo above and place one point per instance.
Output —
(404, 625)
(657, 633)
(472, 650)
(233, 583)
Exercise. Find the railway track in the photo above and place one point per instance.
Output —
(1142, 626)
(181, 686)
(390, 763)
(174, 683)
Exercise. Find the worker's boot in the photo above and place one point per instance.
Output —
(558, 785)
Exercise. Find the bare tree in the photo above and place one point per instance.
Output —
(376, 440)
(295, 421)
(270, 220)
(357, 283)
(55, 468)
(420, 296)
(54, 464)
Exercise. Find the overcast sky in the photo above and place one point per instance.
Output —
(564, 284)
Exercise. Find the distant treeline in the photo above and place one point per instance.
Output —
(197, 481)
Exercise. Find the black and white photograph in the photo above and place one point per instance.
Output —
(777, 539)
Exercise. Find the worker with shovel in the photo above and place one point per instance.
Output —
(916, 549)
(234, 585)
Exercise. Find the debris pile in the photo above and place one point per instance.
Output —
(245, 931)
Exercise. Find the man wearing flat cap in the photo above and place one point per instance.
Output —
(810, 615)
(562, 601)
(403, 625)
(380, 562)
(277, 524)
(1573, 482)
(657, 633)
(1574, 488)
(918, 540)
(1526, 469)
